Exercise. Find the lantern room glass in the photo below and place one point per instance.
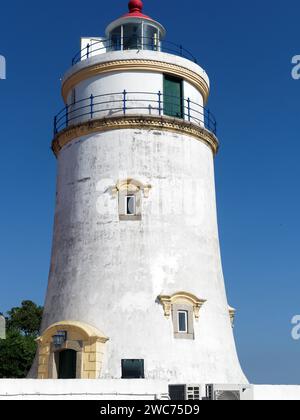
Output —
(116, 39)
(135, 36)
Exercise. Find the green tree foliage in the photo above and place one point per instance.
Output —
(26, 319)
(18, 350)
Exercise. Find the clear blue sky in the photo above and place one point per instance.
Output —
(246, 48)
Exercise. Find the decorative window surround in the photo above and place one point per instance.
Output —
(131, 187)
(181, 297)
(232, 313)
(179, 302)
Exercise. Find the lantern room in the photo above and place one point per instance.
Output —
(135, 31)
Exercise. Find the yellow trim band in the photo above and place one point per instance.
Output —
(134, 122)
(136, 65)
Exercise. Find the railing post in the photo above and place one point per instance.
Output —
(67, 115)
(159, 103)
(124, 102)
(208, 120)
(55, 125)
(87, 50)
(189, 109)
(92, 105)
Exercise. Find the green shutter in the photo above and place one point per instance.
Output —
(173, 97)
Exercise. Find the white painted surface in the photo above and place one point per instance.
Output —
(96, 46)
(109, 273)
(26, 389)
(33, 389)
(276, 392)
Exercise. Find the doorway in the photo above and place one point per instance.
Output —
(67, 360)
(173, 96)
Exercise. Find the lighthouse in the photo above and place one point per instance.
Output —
(136, 288)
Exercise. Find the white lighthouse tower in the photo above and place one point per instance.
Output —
(136, 289)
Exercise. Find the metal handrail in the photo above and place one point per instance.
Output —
(141, 43)
(121, 103)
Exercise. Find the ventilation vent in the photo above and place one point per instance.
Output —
(227, 396)
(193, 392)
(185, 392)
(229, 392)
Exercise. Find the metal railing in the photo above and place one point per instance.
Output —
(133, 43)
(126, 103)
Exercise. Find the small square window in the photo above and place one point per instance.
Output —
(183, 321)
(133, 369)
(130, 205)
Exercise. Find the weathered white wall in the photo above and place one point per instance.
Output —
(109, 273)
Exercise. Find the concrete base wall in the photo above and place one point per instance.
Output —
(34, 389)
(276, 392)
(31, 389)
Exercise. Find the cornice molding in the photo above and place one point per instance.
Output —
(133, 122)
(136, 65)
(168, 301)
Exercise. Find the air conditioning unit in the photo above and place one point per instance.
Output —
(193, 392)
(185, 392)
(229, 392)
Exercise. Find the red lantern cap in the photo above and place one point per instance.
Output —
(135, 9)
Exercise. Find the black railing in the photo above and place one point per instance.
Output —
(133, 43)
(126, 103)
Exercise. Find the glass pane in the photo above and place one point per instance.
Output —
(182, 321)
(132, 36)
(150, 38)
(130, 204)
(115, 39)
